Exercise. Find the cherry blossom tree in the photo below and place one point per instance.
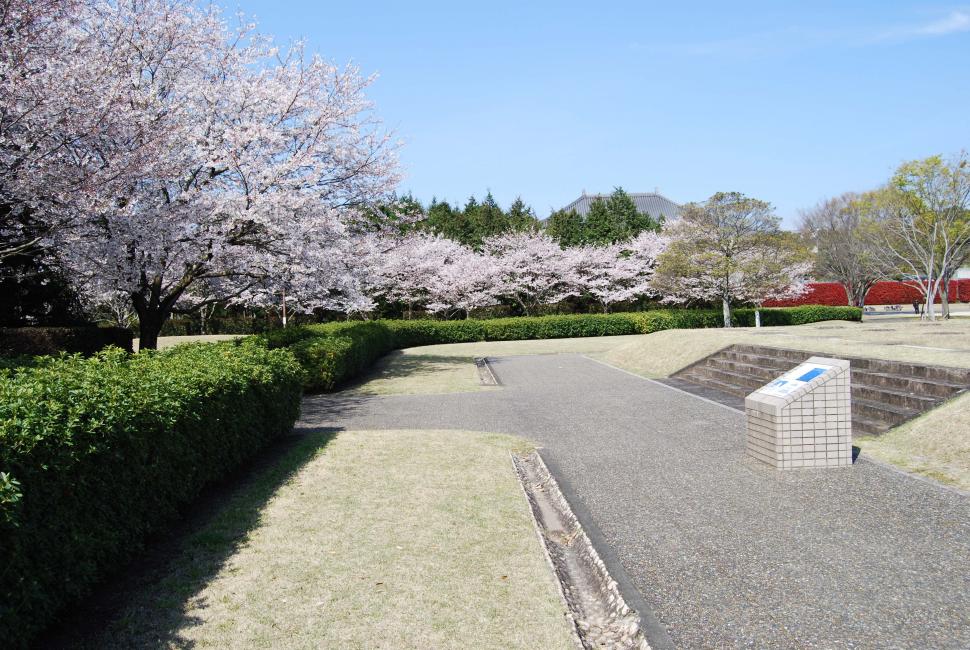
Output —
(73, 135)
(465, 283)
(532, 269)
(618, 272)
(431, 272)
(405, 269)
(260, 158)
(730, 249)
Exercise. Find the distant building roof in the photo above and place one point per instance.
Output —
(647, 202)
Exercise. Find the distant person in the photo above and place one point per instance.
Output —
(916, 308)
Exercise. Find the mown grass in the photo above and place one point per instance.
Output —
(366, 539)
(936, 444)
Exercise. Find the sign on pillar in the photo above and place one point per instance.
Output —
(803, 418)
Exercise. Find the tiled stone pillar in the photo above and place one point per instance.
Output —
(803, 418)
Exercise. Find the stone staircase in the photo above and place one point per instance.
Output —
(884, 393)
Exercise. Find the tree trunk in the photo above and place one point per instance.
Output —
(150, 323)
(726, 309)
(153, 309)
(945, 299)
(757, 317)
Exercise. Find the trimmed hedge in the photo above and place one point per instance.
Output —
(97, 453)
(86, 340)
(333, 353)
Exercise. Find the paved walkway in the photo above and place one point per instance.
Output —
(725, 552)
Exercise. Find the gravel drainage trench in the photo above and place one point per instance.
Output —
(599, 614)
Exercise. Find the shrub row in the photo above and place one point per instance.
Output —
(97, 453)
(86, 340)
(336, 352)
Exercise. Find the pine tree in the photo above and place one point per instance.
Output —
(603, 224)
(521, 216)
(566, 227)
(489, 220)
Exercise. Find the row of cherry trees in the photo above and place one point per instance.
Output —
(530, 269)
(727, 250)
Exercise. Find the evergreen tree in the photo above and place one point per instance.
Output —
(521, 217)
(566, 227)
(604, 225)
(445, 221)
(616, 219)
(489, 220)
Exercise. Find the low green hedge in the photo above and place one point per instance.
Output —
(336, 352)
(97, 453)
(799, 315)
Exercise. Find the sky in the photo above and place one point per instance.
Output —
(787, 102)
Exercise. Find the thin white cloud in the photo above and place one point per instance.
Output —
(958, 21)
(954, 23)
(792, 39)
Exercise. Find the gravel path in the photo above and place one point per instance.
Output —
(725, 552)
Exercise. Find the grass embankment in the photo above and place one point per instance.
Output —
(936, 444)
(368, 539)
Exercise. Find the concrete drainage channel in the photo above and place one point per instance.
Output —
(599, 614)
(485, 374)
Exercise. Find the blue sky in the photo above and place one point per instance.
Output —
(786, 102)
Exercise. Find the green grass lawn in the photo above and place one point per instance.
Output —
(936, 444)
(364, 539)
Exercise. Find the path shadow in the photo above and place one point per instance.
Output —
(397, 365)
(144, 604)
(319, 412)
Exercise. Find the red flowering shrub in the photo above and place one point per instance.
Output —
(881, 293)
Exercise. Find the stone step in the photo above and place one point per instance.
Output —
(773, 356)
(936, 388)
(861, 424)
(740, 367)
(738, 380)
(896, 398)
(701, 380)
(752, 378)
(884, 393)
(894, 415)
(767, 367)
(868, 427)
